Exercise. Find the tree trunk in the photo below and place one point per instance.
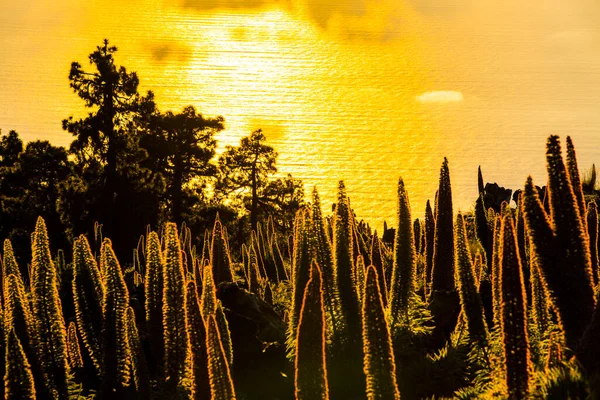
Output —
(254, 207)
(176, 191)
(110, 196)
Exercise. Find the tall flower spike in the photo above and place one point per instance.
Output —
(254, 278)
(573, 172)
(18, 381)
(496, 299)
(154, 288)
(361, 276)
(345, 361)
(301, 267)
(560, 246)
(323, 244)
(198, 268)
(359, 245)
(592, 226)
(429, 243)
(480, 181)
(9, 263)
(418, 233)
(310, 366)
(224, 333)
(256, 253)
(422, 243)
(18, 318)
(379, 363)
(521, 233)
(219, 255)
(514, 315)
(270, 264)
(478, 265)
(377, 262)
(344, 265)
(221, 384)
(47, 312)
(323, 254)
(88, 292)
(206, 243)
(443, 266)
(73, 350)
(208, 300)
(481, 228)
(115, 343)
(539, 299)
(467, 286)
(176, 340)
(444, 301)
(139, 368)
(404, 270)
(281, 270)
(197, 338)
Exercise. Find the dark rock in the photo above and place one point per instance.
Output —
(494, 195)
(388, 236)
(270, 326)
(261, 369)
(541, 192)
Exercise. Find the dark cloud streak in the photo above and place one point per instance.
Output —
(208, 5)
(168, 51)
(320, 12)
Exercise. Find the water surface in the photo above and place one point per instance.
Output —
(364, 91)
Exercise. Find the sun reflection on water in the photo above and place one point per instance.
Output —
(364, 91)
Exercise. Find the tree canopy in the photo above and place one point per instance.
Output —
(181, 147)
(131, 166)
(246, 168)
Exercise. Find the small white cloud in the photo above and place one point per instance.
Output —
(441, 96)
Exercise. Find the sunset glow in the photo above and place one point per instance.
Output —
(299, 199)
(344, 90)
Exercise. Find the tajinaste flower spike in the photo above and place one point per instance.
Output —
(221, 384)
(18, 381)
(405, 266)
(50, 327)
(379, 363)
(514, 315)
(467, 286)
(88, 293)
(561, 247)
(115, 340)
(154, 289)
(377, 262)
(592, 226)
(444, 301)
(310, 364)
(429, 244)
(197, 338)
(176, 340)
(573, 172)
(219, 255)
